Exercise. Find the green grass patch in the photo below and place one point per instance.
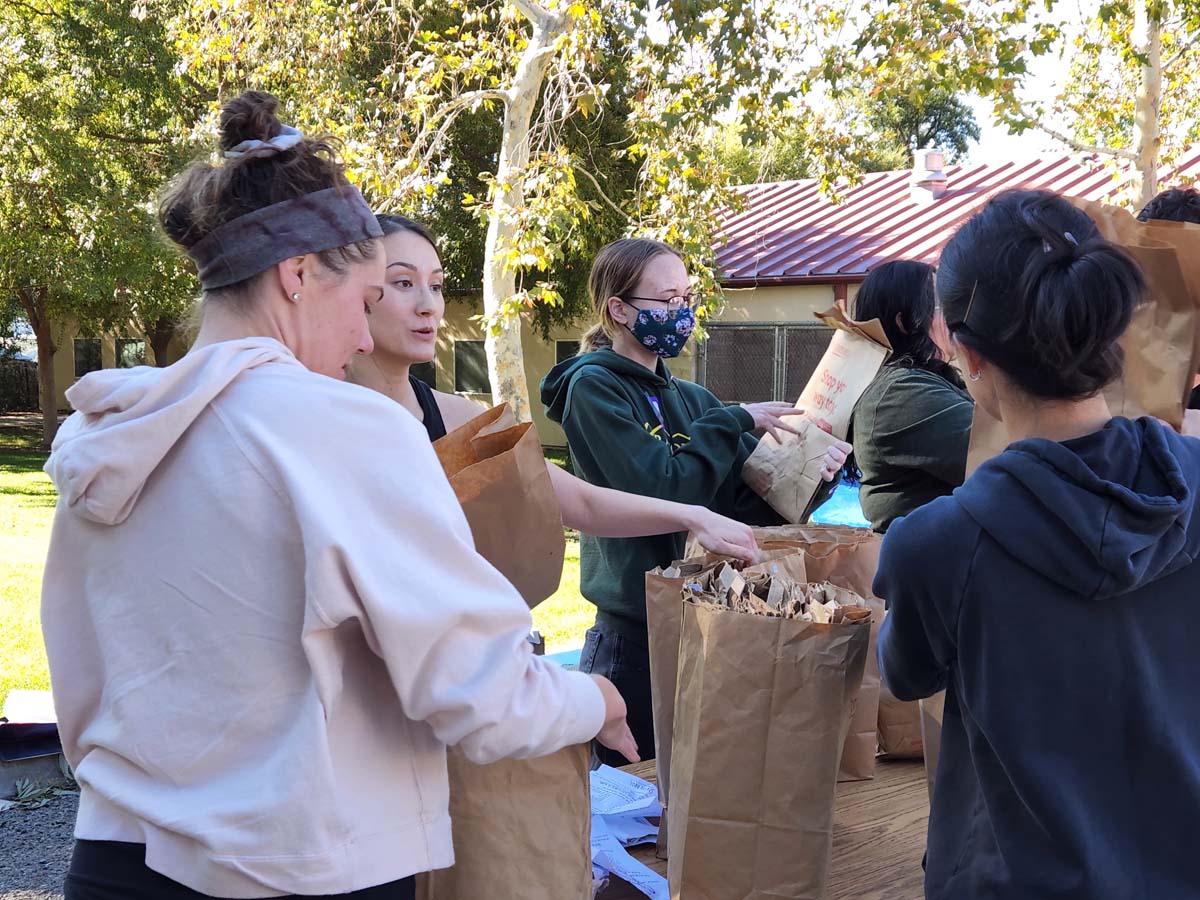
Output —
(564, 618)
(27, 501)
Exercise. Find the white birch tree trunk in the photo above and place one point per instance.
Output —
(506, 360)
(1147, 139)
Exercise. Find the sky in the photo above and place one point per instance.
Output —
(996, 145)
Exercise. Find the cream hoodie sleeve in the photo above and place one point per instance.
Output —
(386, 544)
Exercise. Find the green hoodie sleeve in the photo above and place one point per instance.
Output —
(629, 458)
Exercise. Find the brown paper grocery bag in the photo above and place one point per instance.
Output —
(932, 711)
(522, 828)
(1161, 348)
(899, 727)
(847, 557)
(787, 473)
(498, 473)
(761, 715)
(854, 356)
(664, 612)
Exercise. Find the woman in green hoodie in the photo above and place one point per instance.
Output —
(911, 427)
(632, 426)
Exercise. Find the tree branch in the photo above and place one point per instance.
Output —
(127, 139)
(1082, 147)
(603, 196)
(1181, 52)
(426, 145)
(536, 13)
(45, 13)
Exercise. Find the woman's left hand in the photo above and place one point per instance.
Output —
(835, 458)
(723, 536)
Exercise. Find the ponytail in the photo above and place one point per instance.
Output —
(595, 338)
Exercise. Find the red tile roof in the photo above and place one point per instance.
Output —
(790, 234)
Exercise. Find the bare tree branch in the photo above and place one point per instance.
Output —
(603, 196)
(425, 147)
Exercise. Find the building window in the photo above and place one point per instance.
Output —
(564, 350)
(426, 372)
(87, 356)
(752, 363)
(130, 353)
(470, 368)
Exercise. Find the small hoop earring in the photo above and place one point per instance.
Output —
(295, 295)
(975, 376)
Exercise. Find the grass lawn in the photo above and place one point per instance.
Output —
(564, 618)
(26, 509)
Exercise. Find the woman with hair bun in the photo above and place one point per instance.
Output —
(263, 608)
(1053, 595)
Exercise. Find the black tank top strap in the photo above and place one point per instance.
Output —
(435, 425)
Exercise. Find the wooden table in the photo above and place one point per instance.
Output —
(878, 837)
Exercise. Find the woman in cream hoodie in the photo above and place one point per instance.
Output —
(262, 631)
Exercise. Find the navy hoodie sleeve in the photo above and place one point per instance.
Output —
(633, 460)
(923, 568)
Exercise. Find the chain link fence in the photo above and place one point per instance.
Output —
(753, 363)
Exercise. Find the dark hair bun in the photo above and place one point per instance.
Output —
(249, 117)
(1031, 285)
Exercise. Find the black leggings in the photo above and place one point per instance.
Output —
(112, 870)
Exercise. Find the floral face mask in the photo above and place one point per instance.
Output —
(664, 331)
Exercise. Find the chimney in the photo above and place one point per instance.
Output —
(929, 181)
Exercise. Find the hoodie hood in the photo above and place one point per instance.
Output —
(1101, 515)
(127, 421)
(556, 385)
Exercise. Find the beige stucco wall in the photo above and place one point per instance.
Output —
(779, 304)
(64, 358)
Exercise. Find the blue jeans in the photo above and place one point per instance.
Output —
(626, 663)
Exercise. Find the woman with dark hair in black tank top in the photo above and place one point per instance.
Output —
(404, 326)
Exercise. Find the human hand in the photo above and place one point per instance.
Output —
(835, 458)
(727, 537)
(615, 735)
(769, 417)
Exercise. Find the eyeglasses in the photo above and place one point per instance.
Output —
(688, 301)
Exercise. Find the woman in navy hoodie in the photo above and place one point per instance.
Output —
(1054, 595)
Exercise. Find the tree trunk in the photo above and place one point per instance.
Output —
(506, 360)
(1147, 140)
(34, 302)
(159, 335)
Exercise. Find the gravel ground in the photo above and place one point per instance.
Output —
(35, 849)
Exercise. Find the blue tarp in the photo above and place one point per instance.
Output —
(842, 508)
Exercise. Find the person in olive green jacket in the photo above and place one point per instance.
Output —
(912, 426)
(634, 427)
